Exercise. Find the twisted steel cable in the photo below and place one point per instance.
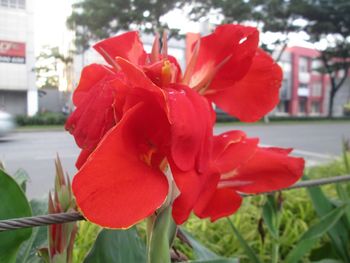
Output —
(60, 218)
(43, 220)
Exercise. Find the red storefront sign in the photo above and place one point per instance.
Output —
(12, 52)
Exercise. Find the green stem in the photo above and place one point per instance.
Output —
(275, 252)
(161, 235)
(276, 241)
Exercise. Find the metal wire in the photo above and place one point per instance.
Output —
(43, 220)
(309, 183)
(60, 218)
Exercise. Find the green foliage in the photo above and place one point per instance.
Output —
(28, 252)
(14, 204)
(46, 118)
(21, 177)
(220, 260)
(47, 64)
(117, 246)
(200, 251)
(86, 236)
(295, 218)
(248, 250)
(309, 238)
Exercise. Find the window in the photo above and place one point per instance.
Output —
(20, 4)
(286, 66)
(13, 3)
(316, 65)
(303, 64)
(317, 89)
(4, 3)
(315, 107)
(302, 105)
(283, 106)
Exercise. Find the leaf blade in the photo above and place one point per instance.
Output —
(14, 204)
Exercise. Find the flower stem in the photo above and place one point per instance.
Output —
(161, 235)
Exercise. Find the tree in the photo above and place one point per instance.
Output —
(328, 23)
(47, 67)
(94, 20)
(276, 16)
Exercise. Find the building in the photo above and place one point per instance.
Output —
(18, 92)
(304, 90)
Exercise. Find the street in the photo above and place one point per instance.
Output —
(35, 151)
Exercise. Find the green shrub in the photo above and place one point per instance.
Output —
(297, 215)
(47, 118)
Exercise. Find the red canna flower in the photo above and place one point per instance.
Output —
(229, 69)
(143, 127)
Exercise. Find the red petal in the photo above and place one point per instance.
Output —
(90, 76)
(223, 202)
(232, 149)
(116, 188)
(84, 154)
(95, 114)
(136, 77)
(256, 94)
(227, 52)
(190, 185)
(268, 170)
(191, 127)
(240, 58)
(127, 46)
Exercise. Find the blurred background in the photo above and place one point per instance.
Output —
(44, 44)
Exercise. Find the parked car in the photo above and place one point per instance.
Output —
(7, 123)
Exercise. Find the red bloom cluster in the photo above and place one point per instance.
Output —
(139, 118)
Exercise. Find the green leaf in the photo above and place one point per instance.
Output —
(346, 144)
(221, 260)
(117, 246)
(339, 233)
(14, 204)
(21, 177)
(248, 250)
(309, 238)
(269, 216)
(29, 249)
(326, 260)
(199, 250)
(345, 197)
(162, 235)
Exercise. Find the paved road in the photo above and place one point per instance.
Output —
(35, 151)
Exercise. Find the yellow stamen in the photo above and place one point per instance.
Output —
(166, 73)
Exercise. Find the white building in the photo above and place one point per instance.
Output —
(18, 92)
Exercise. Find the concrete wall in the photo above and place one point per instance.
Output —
(52, 100)
(341, 97)
(14, 102)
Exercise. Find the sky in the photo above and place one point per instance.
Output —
(50, 22)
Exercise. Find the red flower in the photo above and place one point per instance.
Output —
(156, 125)
(138, 118)
(238, 166)
(235, 74)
